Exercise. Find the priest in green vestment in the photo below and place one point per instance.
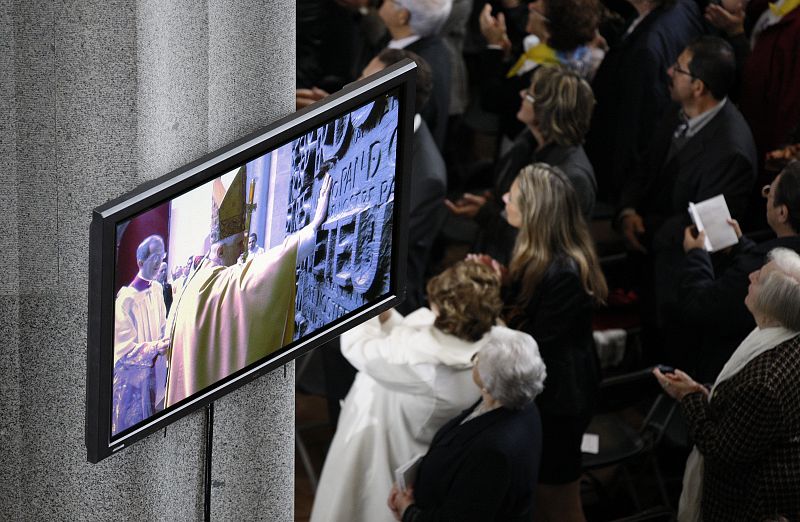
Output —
(231, 314)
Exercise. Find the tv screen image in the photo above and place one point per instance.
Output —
(216, 284)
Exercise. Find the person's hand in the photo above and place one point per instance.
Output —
(690, 242)
(777, 159)
(736, 228)
(599, 42)
(305, 97)
(467, 206)
(632, 227)
(493, 28)
(322, 203)
(392, 502)
(162, 345)
(399, 501)
(677, 384)
(730, 21)
(498, 267)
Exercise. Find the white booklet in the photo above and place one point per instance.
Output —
(406, 475)
(711, 216)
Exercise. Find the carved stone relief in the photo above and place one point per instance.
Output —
(350, 264)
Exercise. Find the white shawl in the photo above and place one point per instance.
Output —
(759, 341)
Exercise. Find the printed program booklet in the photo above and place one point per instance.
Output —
(711, 216)
(406, 474)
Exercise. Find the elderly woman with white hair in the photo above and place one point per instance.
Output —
(483, 464)
(746, 429)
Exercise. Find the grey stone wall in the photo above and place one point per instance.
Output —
(95, 98)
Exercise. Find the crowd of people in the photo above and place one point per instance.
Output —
(486, 379)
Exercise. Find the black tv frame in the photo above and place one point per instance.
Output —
(400, 77)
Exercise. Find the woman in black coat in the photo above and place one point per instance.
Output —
(553, 282)
(483, 464)
(556, 111)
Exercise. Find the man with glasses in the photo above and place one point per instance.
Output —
(712, 301)
(700, 150)
(631, 88)
(139, 344)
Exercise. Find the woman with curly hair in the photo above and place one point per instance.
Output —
(552, 285)
(414, 374)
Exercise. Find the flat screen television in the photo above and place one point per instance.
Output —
(247, 258)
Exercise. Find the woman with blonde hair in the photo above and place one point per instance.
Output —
(414, 374)
(551, 286)
(556, 109)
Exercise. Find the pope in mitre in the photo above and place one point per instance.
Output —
(231, 314)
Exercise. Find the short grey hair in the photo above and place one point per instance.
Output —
(779, 298)
(511, 368)
(427, 16)
(143, 251)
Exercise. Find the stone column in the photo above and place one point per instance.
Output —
(10, 429)
(251, 82)
(95, 98)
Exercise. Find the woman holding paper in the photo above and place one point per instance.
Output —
(746, 460)
(414, 375)
(482, 466)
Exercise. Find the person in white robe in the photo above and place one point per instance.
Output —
(230, 315)
(414, 374)
(252, 247)
(139, 343)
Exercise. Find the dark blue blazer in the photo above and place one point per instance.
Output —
(631, 88)
(720, 159)
(437, 110)
(483, 470)
(426, 214)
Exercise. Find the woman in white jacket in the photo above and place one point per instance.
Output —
(414, 375)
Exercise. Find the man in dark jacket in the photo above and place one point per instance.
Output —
(414, 25)
(700, 151)
(712, 302)
(631, 88)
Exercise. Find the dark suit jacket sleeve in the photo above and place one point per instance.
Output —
(733, 175)
(426, 214)
(705, 299)
(477, 493)
(741, 433)
(585, 189)
(493, 69)
(638, 81)
(647, 164)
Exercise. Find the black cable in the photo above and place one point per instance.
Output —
(209, 447)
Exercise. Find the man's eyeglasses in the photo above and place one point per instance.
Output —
(677, 68)
(765, 191)
(528, 97)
